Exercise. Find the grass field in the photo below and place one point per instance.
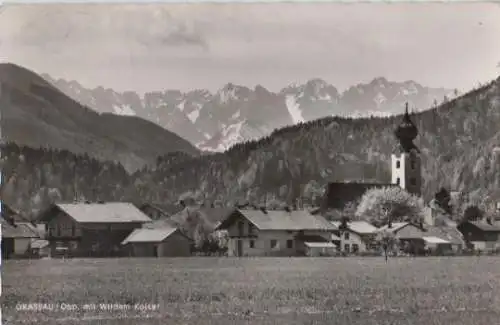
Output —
(454, 290)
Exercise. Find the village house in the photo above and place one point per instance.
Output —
(409, 235)
(417, 239)
(16, 236)
(439, 224)
(157, 242)
(262, 232)
(356, 237)
(481, 235)
(452, 240)
(90, 229)
(16, 239)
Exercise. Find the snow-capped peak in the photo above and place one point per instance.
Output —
(294, 109)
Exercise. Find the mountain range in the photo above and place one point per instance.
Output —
(234, 114)
(459, 140)
(36, 114)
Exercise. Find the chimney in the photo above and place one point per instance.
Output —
(389, 225)
(287, 209)
(263, 209)
(489, 221)
(182, 203)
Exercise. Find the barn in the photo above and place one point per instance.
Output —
(90, 229)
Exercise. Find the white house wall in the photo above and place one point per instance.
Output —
(354, 239)
(21, 245)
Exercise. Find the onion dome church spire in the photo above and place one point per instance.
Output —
(406, 132)
(406, 161)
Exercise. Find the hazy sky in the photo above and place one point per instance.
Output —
(187, 46)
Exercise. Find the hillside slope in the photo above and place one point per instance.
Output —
(36, 114)
(458, 140)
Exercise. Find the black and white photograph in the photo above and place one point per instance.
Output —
(283, 163)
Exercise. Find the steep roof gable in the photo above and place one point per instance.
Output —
(359, 227)
(148, 235)
(280, 220)
(111, 212)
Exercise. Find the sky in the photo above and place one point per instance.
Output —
(148, 47)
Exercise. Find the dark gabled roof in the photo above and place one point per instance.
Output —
(484, 226)
(13, 230)
(338, 194)
(166, 209)
(8, 213)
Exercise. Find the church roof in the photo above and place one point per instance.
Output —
(406, 132)
(339, 194)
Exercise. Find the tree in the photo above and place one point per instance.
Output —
(349, 210)
(390, 204)
(387, 240)
(473, 213)
(442, 199)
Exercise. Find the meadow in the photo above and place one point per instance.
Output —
(432, 290)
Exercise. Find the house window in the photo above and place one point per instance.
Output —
(413, 164)
(73, 230)
(252, 244)
(355, 248)
(274, 243)
(346, 248)
(398, 164)
(346, 236)
(289, 244)
(398, 181)
(58, 230)
(413, 181)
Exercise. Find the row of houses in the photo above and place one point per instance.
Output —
(124, 229)
(118, 229)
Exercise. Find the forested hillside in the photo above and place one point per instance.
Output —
(36, 114)
(33, 178)
(459, 140)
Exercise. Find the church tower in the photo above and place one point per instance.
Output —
(406, 162)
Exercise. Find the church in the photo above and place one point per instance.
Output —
(405, 171)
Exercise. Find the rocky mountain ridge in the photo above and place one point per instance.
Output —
(234, 114)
